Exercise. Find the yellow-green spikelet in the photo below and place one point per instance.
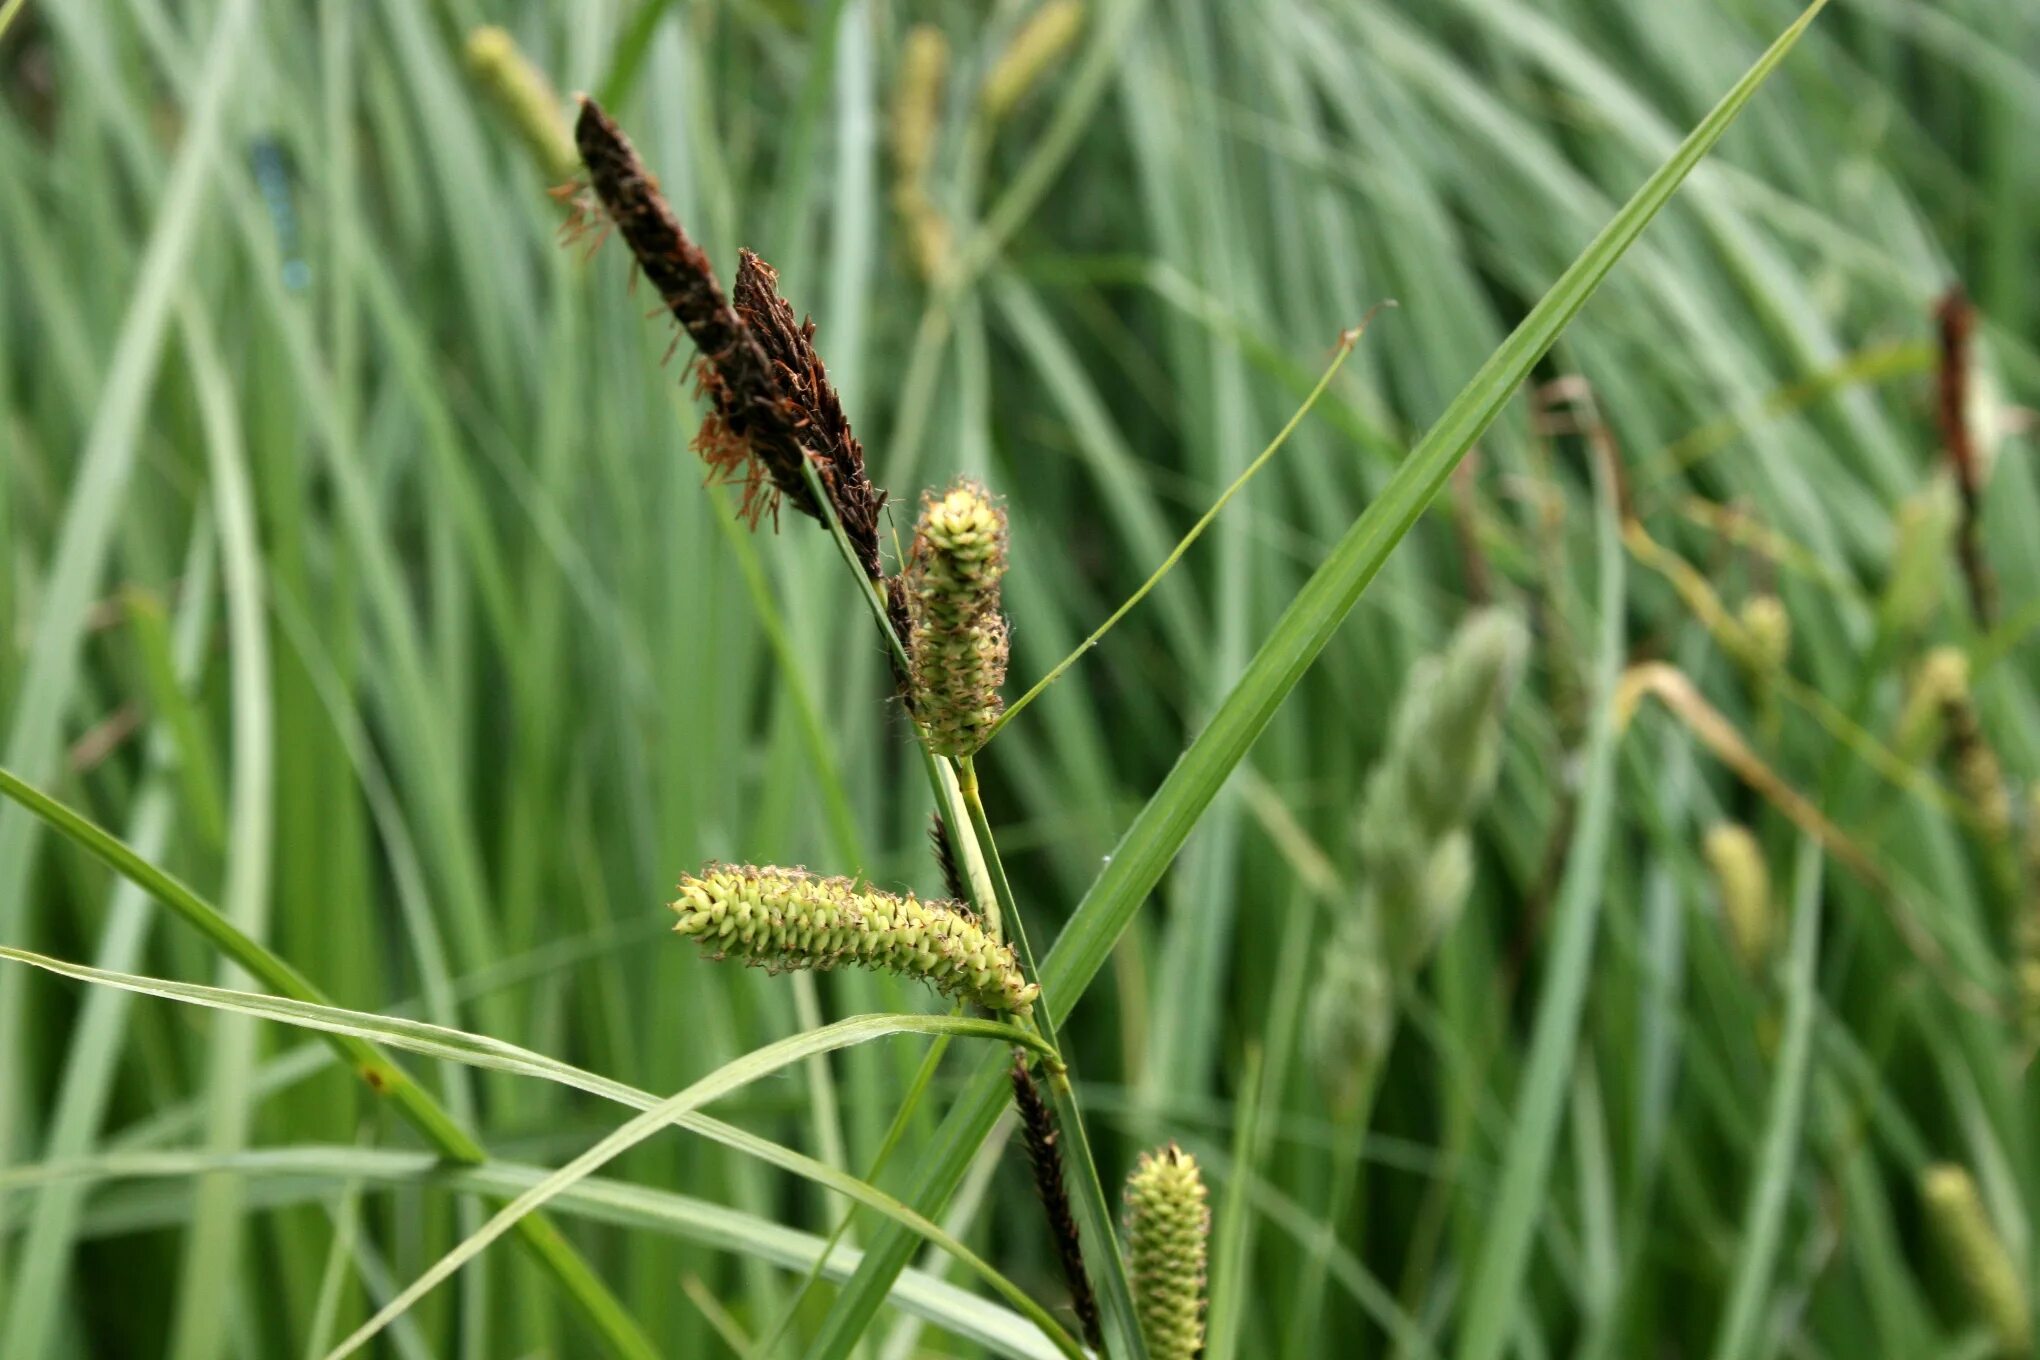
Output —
(1168, 1223)
(1743, 879)
(957, 636)
(525, 98)
(782, 919)
(1977, 1256)
(1034, 50)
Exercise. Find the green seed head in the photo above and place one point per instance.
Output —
(525, 98)
(1352, 1011)
(783, 919)
(1976, 1255)
(1941, 679)
(1168, 1223)
(1744, 882)
(917, 100)
(957, 637)
(1444, 748)
(1036, 47)
(1768, 629)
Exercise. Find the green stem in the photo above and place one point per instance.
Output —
(977, 859)
(1351, 1123)
(1100, 1235)
(378, 1069)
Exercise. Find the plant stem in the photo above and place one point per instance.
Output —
(1102, 1259)
(977, 857)
(383, 1075)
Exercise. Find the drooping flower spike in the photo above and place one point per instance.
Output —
(783, 919)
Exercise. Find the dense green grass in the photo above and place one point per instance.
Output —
(357, 573)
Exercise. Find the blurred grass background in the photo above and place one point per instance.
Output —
(355, 568)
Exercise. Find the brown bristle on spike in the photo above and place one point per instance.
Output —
(816, 412)
(749, 437)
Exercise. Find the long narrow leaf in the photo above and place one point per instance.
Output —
(604, 1312)
(1533, 1133)
(313, 1169)
(438, 1041)
(729, 1077)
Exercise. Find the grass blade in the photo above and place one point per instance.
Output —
(608, 1316)
(1491, 1302)
(731, 1076)
(1765, 1217)
(596, 1199)
(475, 1050)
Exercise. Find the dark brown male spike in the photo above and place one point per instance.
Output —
(818, 420)
(1044, 1160)
(751, 435)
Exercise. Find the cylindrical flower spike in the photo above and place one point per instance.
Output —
(526, 99)
(916, 127)
(1352, 1011)
(782, 919)
(1744, 882)
(1036, 47)
(1977, 1255)
(1168, 1224)
(1767, 628)
(957, 637)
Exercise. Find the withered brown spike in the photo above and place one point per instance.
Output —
(1044, 1159)
(817, 415)
(752, 412)
(1957, 318)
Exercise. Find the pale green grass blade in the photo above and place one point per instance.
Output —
(1233, 1220)
(324, 1168)
(475, 1050)
(1491, 1312)
(80, 1106)
(96, 495)
(1763, 1223)
(205, 1299)
(731, 1076)
(603, 1311)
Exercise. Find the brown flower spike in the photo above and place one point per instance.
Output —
(1044, 1159)
(773, 406)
